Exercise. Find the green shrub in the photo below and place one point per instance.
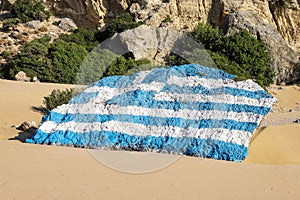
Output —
(121, 66)
(241, 54)
(66, 59)
(58, 98)
(94, 66)
(9, 23)
(251, 55)
(5, 54)
(32, 60)
(168, 19)
(122, 23)
(83, 37)
(28, 10)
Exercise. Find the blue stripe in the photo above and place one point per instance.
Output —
(153, 121)
(115, 81)
(145, 99)
(198, 70)
(83, 97)
(163, 74)
(224, 90)
(208, 148)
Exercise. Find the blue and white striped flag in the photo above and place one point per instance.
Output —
(188, 109)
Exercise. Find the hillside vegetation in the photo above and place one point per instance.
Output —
(59, 61)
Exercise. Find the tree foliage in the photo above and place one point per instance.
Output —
(58, 98)
(122, 23)
(241, 54)
(28, 10)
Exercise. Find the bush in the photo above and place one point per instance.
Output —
(94, 66)
(121, 66)
(251, 55)
(28, 10)
(83, 37)
(32, 60)
(5, 54)
(56, 62)
(241, 54)
(9, 23)
(58, 98)
(66, 59)
(122, 23)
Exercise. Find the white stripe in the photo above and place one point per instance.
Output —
(217, 98)
(213, 83)
(100, 109)
(154, 86)
(226, 135)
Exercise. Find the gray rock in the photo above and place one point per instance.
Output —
(6, 5)
(156, 43)
(67, 24)
(27, 126)
(297, 121)
(35, 80)
(21, 76)
(36, 24)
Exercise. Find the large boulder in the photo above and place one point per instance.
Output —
(188, 109)
(146, 42)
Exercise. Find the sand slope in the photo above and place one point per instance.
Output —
(45, 172)
(16, 101)
(49, 172)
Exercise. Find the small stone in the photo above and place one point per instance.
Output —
(27, 126)
(282, 84)
(67, 24)
(291, 110)
(21, 76)
(297, 121)
(35, 79)
(36, 24)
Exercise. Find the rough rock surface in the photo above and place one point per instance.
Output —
(21, 76)
(88, 13)
(67, 24)
(34, 24)
(188, 109)
(21, 34)
(144, 42)
(7, 5)
(278, 28)
(28, 127)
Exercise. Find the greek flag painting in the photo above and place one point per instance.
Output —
(189, 110)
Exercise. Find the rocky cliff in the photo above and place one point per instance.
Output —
(278, 25)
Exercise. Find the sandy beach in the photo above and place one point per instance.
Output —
(271, 170)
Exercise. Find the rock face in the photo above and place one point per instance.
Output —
(144, 42)
(153, 111)
(278, 28)
(87, 13)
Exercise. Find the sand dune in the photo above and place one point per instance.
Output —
(271, 171)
